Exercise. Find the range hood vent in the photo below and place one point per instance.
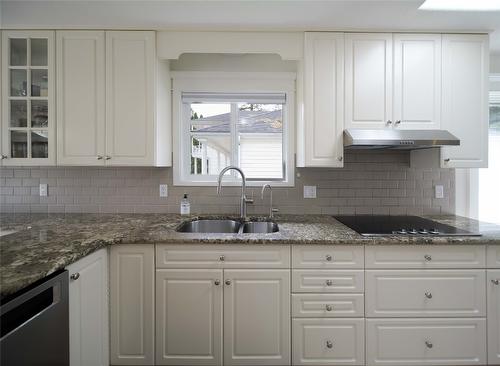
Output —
(397, 139)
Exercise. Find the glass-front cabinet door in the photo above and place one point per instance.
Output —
(28, 125)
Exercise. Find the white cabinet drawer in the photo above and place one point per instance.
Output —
(425, 293)
(425, 342)
(222, 256)
(328, 305)
(429, 256)
(327, 280)
(328, 341)
(493, 256)
(328, 257)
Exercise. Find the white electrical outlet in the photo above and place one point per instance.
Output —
(43, 190)
(309, 191)
(439, 191)
(163, 190)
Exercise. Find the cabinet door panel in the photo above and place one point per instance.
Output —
(465, 100)
(324, 91)
(425, 293)
(132, 304)
(426, 342)
(417, 81)
(257, 317)
(88, 310)
(189, 317)
(130, 72)
(80, 97)
(493, 317)
(493, 256)
(368, 80)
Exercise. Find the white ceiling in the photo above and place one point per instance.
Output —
(358, 15)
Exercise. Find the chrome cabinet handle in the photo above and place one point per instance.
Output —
(398, 122)
(428, 295)
(99, 157)
(228, 282)
(75, 276)
(216, 282)
(107, 157)
(329, 307)
(329, 344)
(340, 158)
(495, 282)
(329, 282)
(4, 157)
(328, 257)
(429, 344)
(447, 160)
(427, 257)
(222, 258)
(389, 122)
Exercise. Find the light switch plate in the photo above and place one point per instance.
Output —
(439, 191)
(44, 190)
(309, 191)
(163, 190)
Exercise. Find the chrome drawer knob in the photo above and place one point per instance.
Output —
(329, 282)
(222, 258)
(216, 282)
(429, 344)
(329, 307)
(389, 122)
(228, 282)
(428, 295)
(99, 157)
(75, 276)
(329, 344)
(328, 257)
(107, 157)
(4, 156)
(427, 257)
(495, 282)
(340, 158)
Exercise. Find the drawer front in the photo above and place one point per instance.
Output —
(325, 281)
(493, 256)
(327, 257)
(328, 341)
(425, 293)
(328, 305)
(429, 256)
(426, 342)
(222, 256)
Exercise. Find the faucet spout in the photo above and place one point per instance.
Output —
(243, 199)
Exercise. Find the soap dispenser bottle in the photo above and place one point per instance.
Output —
(185, 205)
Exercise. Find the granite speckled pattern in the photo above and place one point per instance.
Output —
(46, 243)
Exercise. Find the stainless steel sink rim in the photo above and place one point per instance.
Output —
(227, 226)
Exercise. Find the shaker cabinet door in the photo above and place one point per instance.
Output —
(493, 286)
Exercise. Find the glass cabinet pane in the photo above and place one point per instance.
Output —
(18, 52)
(18, 144)
(39, 113)
(18, 83)
(39, 86)
(39, 52)
(39, 144)
(18, 113)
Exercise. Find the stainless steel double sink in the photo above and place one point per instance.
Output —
(228, 226)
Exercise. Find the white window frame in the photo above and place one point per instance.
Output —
(230, 83)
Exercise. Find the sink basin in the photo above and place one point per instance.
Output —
(260, 227)
(210, 226)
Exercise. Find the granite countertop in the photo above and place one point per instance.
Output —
(45, 243)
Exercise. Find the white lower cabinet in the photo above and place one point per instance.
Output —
(493, 286)
(328, 341)
(426, 341)
(88, 310)
(189, 316)
(132, 304)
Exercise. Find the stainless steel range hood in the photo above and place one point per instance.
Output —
(398, 139)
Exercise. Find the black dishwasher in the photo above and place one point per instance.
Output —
(35, 325)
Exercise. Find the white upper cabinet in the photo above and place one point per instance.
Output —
(368, 80)
(80, 97)
(28, 92)
(417, 81)
(130, 91)
(324, 91)
(465, 99)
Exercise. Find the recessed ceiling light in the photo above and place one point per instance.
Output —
(461, 5)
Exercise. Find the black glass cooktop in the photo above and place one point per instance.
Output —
(373, 225)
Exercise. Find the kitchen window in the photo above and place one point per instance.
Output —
(251, 130)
